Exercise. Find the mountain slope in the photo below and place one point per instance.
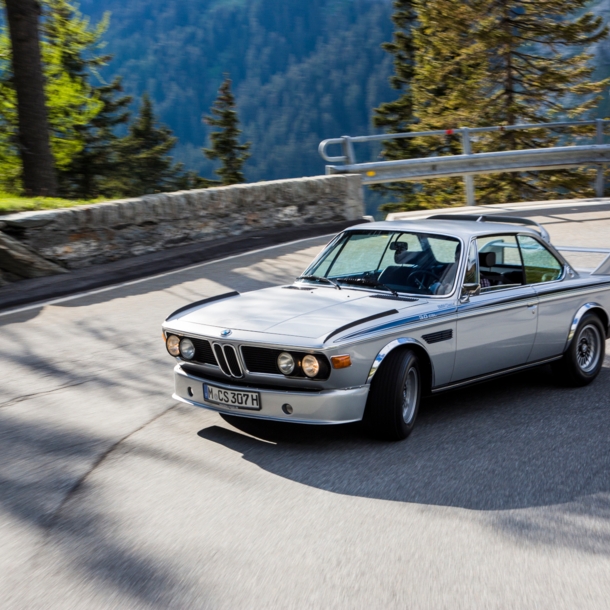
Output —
(302, 71)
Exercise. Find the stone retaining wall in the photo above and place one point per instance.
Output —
(86, 235)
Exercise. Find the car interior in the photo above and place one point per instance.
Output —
(419, 271)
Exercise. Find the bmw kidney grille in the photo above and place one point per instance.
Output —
(228, 361)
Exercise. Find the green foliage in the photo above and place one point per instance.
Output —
(90, 164)
(10, 204)
(397, 116)
(10, 163)
(501, 62)
(71, 101)
(225, 142)
(539, 70)
(97, 168)
(146, 164)
(70, 50)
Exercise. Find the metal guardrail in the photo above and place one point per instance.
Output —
(470, 164)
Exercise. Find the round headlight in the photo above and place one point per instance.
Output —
(311, 366)
(173, 345)
(285, 363)
(187, 349)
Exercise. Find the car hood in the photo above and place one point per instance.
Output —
(312, 312)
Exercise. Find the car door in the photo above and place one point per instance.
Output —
(496, 323)
(545, 273)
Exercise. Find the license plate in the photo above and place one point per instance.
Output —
(232, 398)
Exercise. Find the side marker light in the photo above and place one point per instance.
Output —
(341, 362)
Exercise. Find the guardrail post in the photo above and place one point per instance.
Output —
(348, 150)
(468, 180)
(599, 181)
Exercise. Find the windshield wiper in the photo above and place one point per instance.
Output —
(367, 282)
(319, 278)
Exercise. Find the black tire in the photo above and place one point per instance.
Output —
(584, 358)
(398, 380)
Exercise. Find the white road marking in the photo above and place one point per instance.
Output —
(80, 295)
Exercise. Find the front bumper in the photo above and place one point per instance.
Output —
(323, 407)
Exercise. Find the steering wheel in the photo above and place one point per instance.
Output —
(414, 278)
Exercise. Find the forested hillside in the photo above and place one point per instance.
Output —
(302, 70)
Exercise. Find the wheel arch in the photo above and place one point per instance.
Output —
(418, 348)
(595, 308)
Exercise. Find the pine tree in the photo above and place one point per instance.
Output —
(96, 169)
(89, 168)
(225, 143)
(539, 70)
(146, 163)
(397, 116)
(500, 62)
(449, 65)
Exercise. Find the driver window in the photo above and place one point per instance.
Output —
(500, 262)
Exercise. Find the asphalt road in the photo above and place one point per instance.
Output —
(113, 496)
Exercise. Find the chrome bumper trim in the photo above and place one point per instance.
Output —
(325, 407)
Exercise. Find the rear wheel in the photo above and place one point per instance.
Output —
(394, 398)
(583, 360)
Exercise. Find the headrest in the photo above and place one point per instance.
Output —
(401, 252)
(487, 259)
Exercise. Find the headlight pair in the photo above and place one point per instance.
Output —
(177, 346)
(309, 364)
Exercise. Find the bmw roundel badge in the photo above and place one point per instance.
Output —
(225, 333)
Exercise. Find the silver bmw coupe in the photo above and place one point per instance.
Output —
(390, 312)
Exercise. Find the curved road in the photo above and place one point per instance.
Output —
(113, 496)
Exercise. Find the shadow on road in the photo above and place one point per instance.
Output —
(514, 443)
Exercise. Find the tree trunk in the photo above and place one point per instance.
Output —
(38, 165)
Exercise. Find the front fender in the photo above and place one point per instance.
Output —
(390, 347)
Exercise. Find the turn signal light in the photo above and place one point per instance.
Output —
(341, 362)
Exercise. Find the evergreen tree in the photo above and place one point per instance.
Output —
(225, 143)
(501, 62)
(147, 166)
(397, 116)
(92, 165)
(96, 169)
(539, 70)
(449, 66)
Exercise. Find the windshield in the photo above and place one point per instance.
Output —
(415, 263)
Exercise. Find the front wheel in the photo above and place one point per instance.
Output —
(583, 360)
(394, 398)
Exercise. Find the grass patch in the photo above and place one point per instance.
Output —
(12, 203)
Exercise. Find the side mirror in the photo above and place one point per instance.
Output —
(470, 290)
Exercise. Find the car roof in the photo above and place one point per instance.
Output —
(463, 229)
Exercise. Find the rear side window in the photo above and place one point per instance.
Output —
(540, 264)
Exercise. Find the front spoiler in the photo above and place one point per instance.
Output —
(322, 408)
